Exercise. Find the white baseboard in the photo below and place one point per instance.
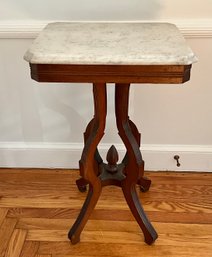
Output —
(192, 28)
(58, 155)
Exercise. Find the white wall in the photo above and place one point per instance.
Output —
(104, 10)
(41, 125)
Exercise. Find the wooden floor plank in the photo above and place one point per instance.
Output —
(166, 192)
(58, 185)
(162, 206)
(16, 243)
(6, 231)
(30, 249)
(64, 224)
(45, 203)
(114, 237)
(49, 213)
(115, 214)
(105, 225)
(140, 249)
(119, 232)
(3, 213)
(39, 255)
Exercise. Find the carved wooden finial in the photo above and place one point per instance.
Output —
(112, 158)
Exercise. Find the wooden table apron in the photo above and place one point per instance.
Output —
(92, 169)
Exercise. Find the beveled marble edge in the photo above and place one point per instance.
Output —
(41, 58)
(163, 61)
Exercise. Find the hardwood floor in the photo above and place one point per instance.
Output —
(37, 208)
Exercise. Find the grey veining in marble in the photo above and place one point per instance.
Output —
(110, 43)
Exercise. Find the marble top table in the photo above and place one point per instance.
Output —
(110, 43)
(122, 53)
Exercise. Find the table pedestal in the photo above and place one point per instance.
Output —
(125, 175)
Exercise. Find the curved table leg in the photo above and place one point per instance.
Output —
(134, 165)
(81, 182)
(88, 168)
(143, 182)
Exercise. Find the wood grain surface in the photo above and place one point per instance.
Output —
(38, 206)
(165, 74)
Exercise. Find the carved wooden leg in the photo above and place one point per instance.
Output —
(134, 165)
(87, 133)
(88, 167)
(81, 182)
(143, 182)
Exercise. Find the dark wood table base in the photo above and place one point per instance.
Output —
(130, 171)
(98, 174)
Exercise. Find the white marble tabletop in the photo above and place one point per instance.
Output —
(110, 43)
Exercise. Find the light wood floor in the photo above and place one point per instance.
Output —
(37, 208)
